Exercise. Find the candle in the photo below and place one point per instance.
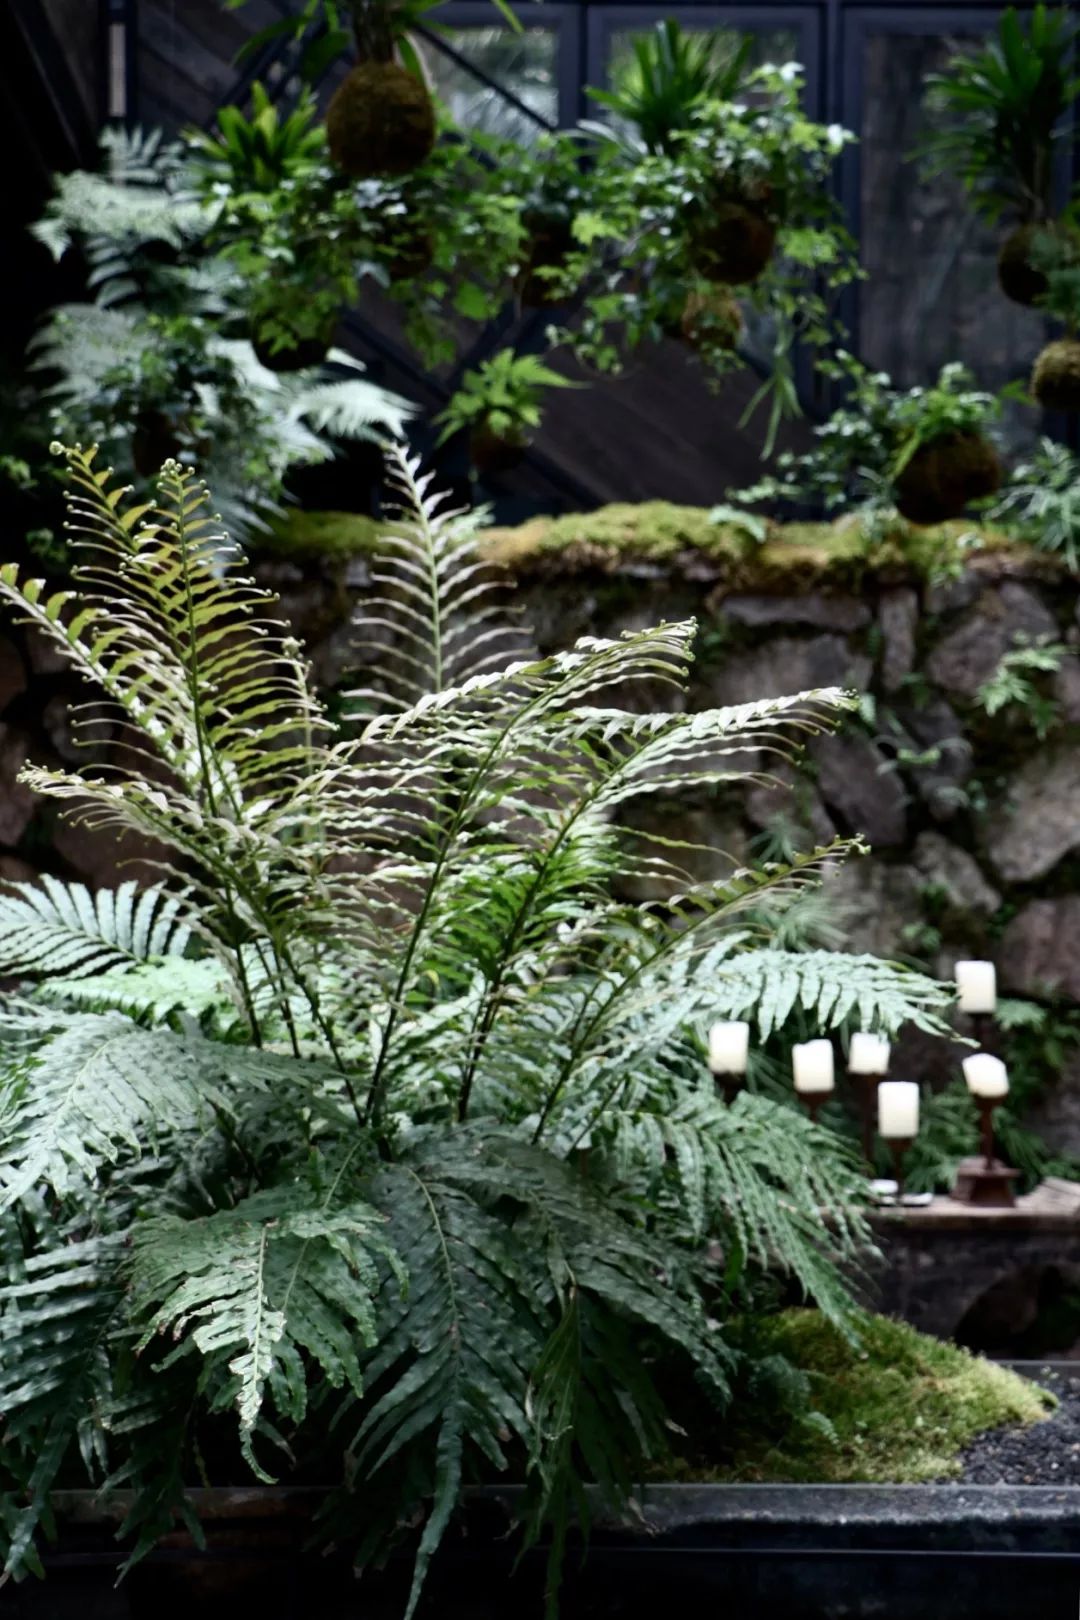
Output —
(729, 1047)
(898, 1110)
(976, 984)
(986, 1075)
(868, 1054)
(812, 1064)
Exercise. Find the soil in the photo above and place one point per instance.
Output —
(1041, 1454)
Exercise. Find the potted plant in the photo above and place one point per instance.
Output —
(499, 405)
(998, 116)
(375, 1146)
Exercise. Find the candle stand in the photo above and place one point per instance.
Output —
(812, 1102)
(730, 1085)
(983, 1180)
(898, 1147)
(867, 1088)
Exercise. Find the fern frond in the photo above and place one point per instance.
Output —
(256, 1289)
(53, 929)
(437, 616)
(832, 988)
(58, 1311)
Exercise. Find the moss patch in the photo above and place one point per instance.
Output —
(793, 556)
(680, 540)
(901, 1406)
(302, 534)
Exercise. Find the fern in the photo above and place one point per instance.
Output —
(437, 616)
(260, 1290)
(62, 930)
(387, 1117)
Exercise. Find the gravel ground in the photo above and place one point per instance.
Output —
(1044, 1454)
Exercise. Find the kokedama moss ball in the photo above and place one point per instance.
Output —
(381, 120)
(551, 240)
(1055, 380)
(732, 242)
(1017, 276)
(944, 475)
(297, 356)
(491, 452)
(411, 252)
(712, 316)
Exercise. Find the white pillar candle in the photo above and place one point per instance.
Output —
(868, 1054)
(898, 1110)
(986, 1075)
(729, 1047)
(976, 985)
(812, 1065)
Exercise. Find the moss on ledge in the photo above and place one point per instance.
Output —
(901, 1406)
(792, 555)
(681, 540)
(299, 534)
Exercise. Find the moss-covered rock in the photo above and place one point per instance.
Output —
(299, 534)
(1055, 380)
(380, 121)
(683, 539)
(897, 1406)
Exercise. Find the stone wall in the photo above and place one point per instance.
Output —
(973, 822)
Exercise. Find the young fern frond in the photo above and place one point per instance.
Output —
(438, 615)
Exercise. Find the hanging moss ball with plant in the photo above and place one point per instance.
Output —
(945, 475)
(492, 452)
(1055, 379)
(711, 317)
(549, 243)
(380, 121)
(732, 241)
(1018, 278)
(285, 356)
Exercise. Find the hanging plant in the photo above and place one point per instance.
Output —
(499, 405)
(925, 452)
(657, 104)
(381, 120)
(999, 114)
(711, 315)
(944, 475)
(1055, 376)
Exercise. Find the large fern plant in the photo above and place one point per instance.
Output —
(376, 1141)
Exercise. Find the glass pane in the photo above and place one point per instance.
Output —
(525, 64)
(931, 295)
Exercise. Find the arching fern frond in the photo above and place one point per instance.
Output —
(831, 987)
(53, 929)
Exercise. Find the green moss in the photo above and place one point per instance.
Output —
(901, 1405)
(302, 534)
(793, 557)
(614, 539)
